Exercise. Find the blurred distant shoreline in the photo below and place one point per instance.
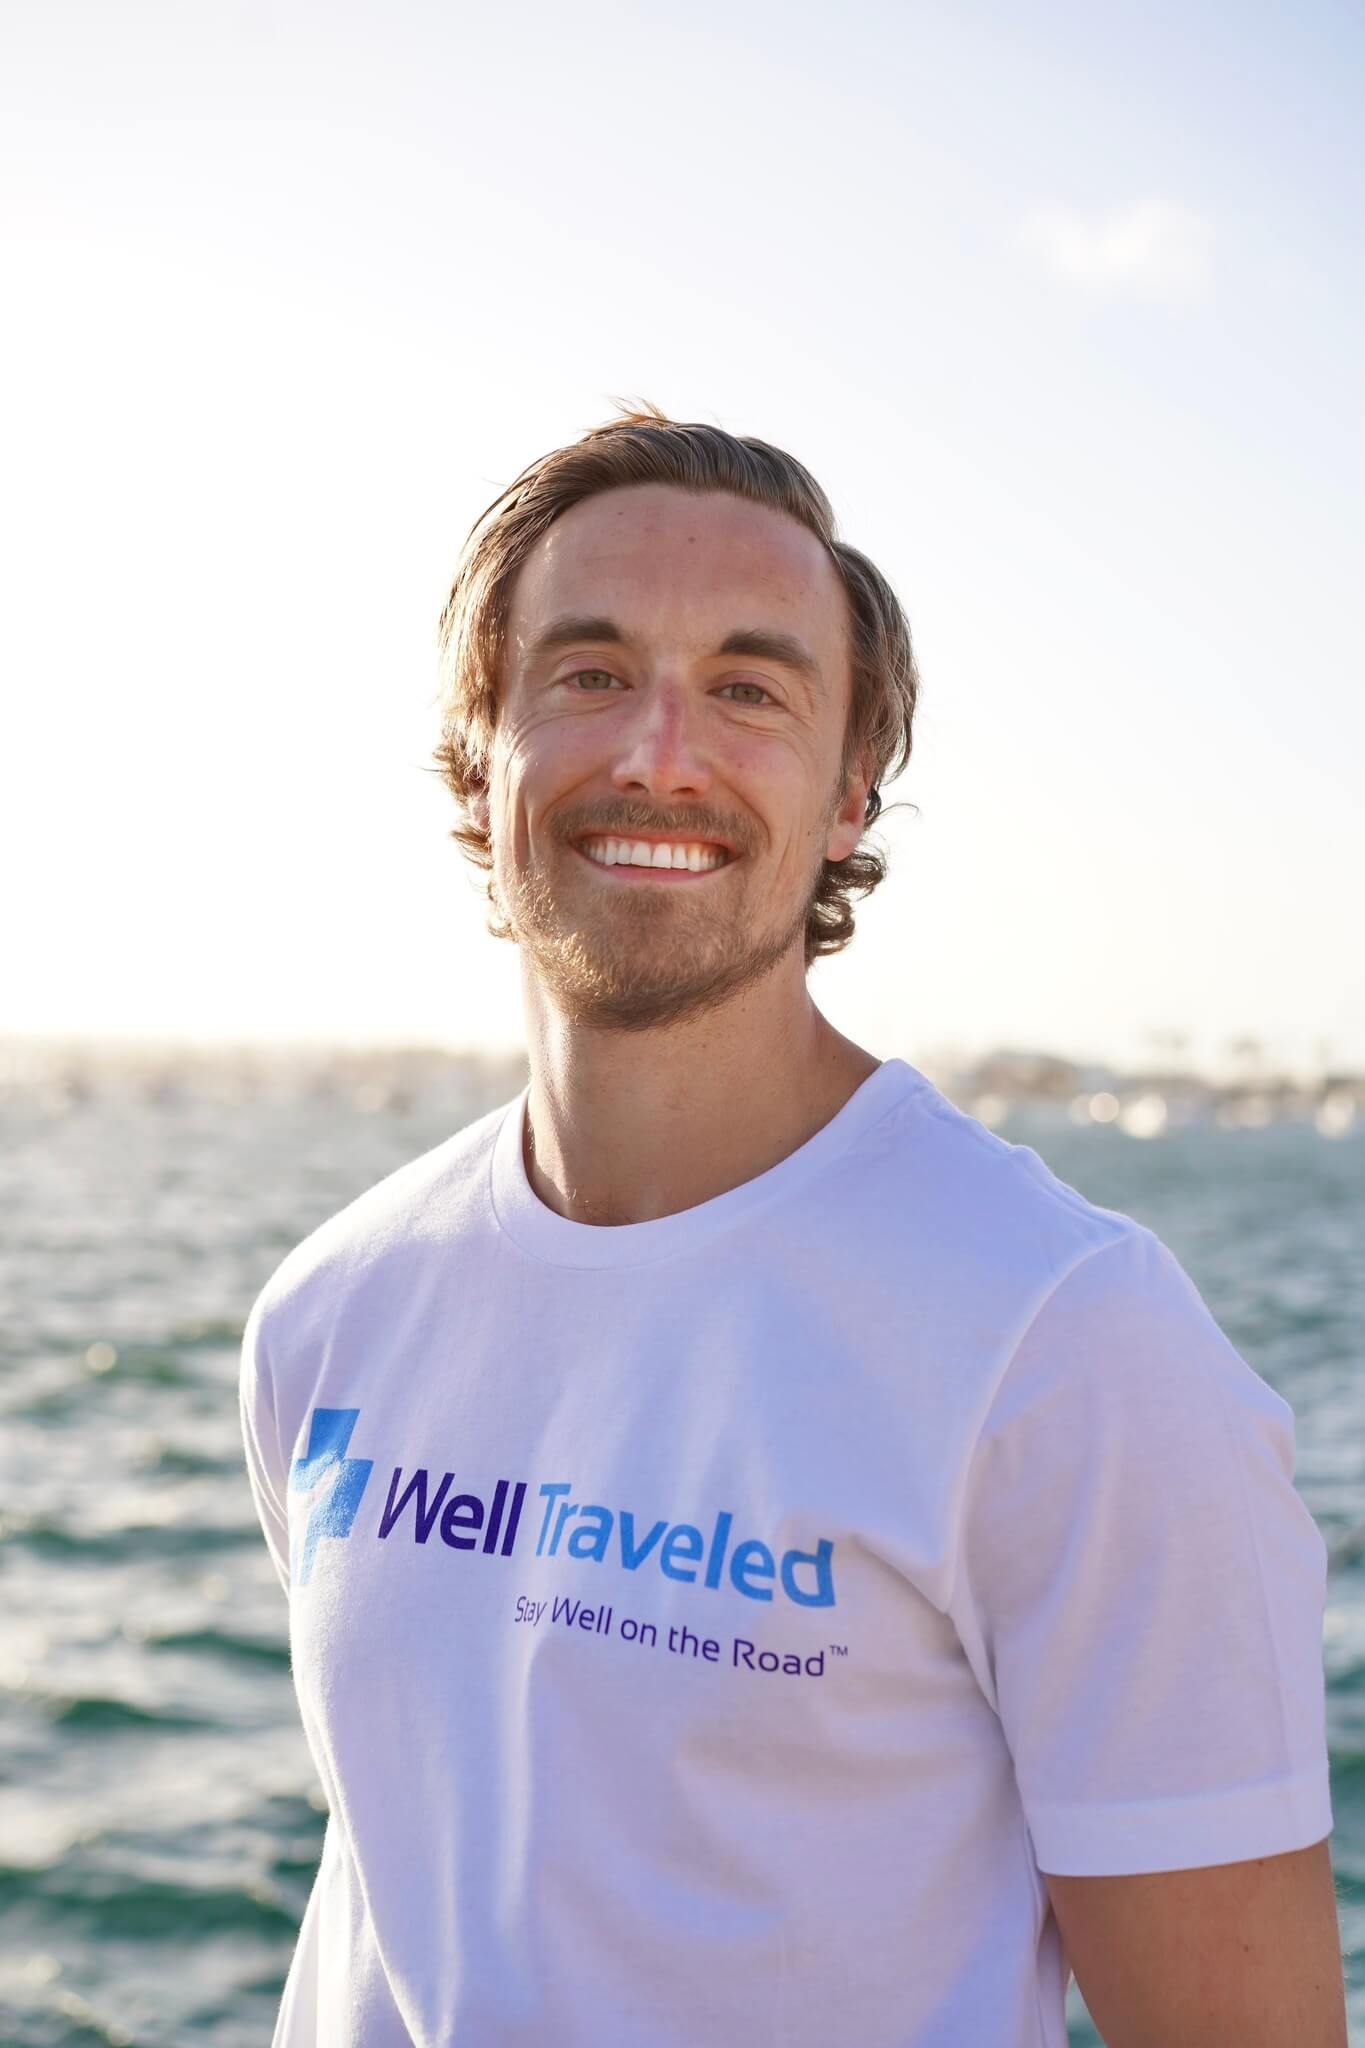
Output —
(64, 1072)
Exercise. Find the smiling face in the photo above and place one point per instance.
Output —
(676, 687)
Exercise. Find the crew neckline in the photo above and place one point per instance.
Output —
(558, 1240)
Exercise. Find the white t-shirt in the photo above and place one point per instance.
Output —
(706, 1630)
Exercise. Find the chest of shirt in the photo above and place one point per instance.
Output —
(737, 1502)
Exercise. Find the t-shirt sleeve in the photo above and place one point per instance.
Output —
(266, 1470)
(1139, 1586)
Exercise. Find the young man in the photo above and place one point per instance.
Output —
(767, 1562)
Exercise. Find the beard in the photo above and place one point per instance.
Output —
(639, 962)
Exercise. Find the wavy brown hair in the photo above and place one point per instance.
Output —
(644, 446)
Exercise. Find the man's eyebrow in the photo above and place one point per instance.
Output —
(764, 645)
(573, 626)
(759, 642)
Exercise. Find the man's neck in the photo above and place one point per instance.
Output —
(628, 1126)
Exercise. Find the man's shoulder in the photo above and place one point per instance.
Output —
(432, 1200)
(973, 1199)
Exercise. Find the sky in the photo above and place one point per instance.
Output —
(1062, 305)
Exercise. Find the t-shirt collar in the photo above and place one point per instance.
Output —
(545, 1234)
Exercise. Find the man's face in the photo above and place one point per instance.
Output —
(633, 716)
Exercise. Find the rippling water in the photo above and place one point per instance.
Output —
(160, 1822)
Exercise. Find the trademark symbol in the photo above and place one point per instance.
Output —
(838, 1649)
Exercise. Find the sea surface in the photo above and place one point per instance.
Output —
(160, 1820)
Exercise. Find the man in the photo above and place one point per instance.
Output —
(768, 1563)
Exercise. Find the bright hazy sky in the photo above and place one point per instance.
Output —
(1062, 305)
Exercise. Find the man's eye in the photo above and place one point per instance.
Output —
(599, 679)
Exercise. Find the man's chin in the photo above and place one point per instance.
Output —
(650, 988)
(607, 991)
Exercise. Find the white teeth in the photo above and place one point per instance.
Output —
(641, 853)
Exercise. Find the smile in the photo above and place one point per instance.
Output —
(660, 859)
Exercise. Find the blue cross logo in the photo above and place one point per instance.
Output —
(335, 1509)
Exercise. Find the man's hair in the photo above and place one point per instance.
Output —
(644, 446)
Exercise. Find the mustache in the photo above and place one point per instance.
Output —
(627, 817)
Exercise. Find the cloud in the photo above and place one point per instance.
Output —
(1153, 249)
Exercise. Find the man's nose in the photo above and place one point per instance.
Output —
(662, 752)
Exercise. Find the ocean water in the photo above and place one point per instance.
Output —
(160, 1822)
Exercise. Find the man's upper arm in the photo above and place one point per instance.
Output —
(266, 1472)
(1139, 1585)
(1234, 1955)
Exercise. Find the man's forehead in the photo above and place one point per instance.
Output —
(662, 546)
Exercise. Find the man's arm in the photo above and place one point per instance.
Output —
(1235, 1955)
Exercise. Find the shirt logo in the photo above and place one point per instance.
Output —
(335, 1509)
(595, 1533)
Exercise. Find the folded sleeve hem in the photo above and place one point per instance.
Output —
(1182, 1834)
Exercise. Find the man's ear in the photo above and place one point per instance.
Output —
(476, 802)
(849, 821)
